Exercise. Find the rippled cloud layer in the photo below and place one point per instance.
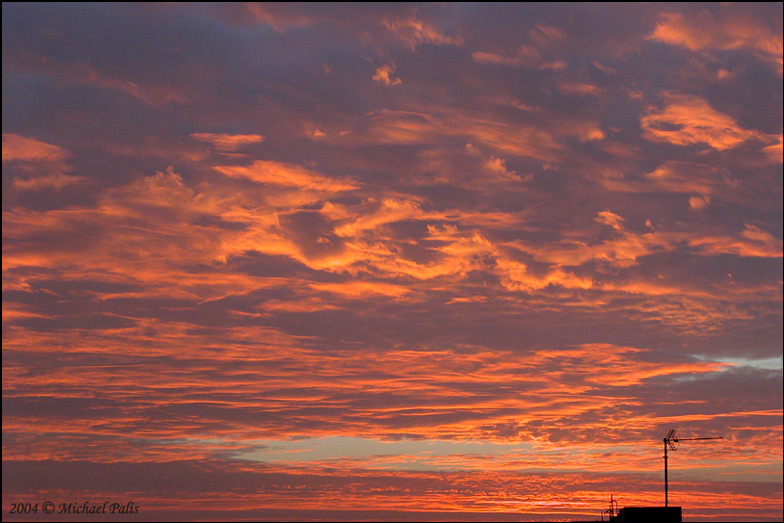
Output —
(416, 257)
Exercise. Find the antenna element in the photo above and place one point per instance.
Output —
(673, 443)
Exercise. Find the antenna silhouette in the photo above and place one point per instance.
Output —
(612, 511)
(673, 443)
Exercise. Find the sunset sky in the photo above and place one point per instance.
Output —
(339, 261)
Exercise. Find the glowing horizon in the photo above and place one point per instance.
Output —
(420, 258)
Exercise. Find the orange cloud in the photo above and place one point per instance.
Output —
(497, 167)
(589, 361)
(21, 148)
(286, 175)
(579, 89)
(39, 165)
(543, 39)
(688, 119)
(467, 167)
(414, 31)
(731, 30)
(47, 181)
(228, 142)
(515, 276)
(775, 150)
(433, 126)
(546, 35)
(383, 75)
(610, 218)
(280, 19)
(362, 289)
(699, 177)
(752, 241)
(699, 202)
(526, 56)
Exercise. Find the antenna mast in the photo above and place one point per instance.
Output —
(672, 443)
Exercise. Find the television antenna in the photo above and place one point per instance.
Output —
(673, 443)
(612, 511)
